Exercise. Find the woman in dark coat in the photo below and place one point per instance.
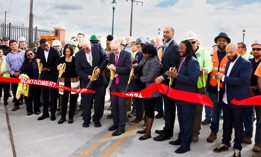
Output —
(149, 67)
(30, 68)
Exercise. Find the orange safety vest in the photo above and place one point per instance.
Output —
(217, 67)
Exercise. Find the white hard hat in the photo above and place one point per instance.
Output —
(191, 35)
(21, 39)
(56, 43)
(256, 42)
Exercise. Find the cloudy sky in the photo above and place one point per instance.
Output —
(205, 17)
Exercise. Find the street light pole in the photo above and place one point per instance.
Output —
(244, 33)
(114, 3)
(131, 18)
(30, 41)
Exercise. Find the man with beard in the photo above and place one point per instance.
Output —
(219, 61)
(256, 51)
(236, 81)
(170, 58)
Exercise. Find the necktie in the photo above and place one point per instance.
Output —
(90, 59)
(117, 79)
(180, 65)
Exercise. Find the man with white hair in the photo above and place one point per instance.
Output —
(120, 62)
(205, 63)
(90, 58)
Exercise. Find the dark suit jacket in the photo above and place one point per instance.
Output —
(170, 58)
(51, 63)
(123, 68)
(188, 76)
(238, 81)
(83, 68)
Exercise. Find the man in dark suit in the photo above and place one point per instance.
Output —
(186, 80)
(237, 83)
(89, 57)
(120, 62)
(48, 57)
(170, 58)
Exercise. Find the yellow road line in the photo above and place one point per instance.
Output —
(117, 144)
(95, 145)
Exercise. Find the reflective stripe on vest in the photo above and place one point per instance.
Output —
(3, 68)
(217, 67)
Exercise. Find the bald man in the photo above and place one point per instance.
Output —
(237, 83)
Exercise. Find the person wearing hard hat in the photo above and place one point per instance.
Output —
(58, 46)
(94, 39)
(128, 46)
(5, 45)
(74, 46)
(21, 42)
(205, 63)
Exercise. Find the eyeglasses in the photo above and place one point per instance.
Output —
(193, 42)
(114, 49)
(85, 49)
(30, 54)
(256, 49)
(23, 48)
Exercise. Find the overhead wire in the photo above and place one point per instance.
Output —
(50, 8)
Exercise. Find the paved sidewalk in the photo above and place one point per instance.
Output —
(33, 138)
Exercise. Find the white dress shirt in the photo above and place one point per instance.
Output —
(89, 58)
(231, 65)
(46, 53)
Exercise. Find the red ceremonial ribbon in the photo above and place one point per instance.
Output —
(45, 83)
(173, 93)
(256, 100)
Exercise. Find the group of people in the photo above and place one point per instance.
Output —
(230, 73)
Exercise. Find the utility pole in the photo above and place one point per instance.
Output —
(5, 25)
(131, 18)
(31, 16)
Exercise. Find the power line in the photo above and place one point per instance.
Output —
(9, 5)
(37, 4)
(51, 7)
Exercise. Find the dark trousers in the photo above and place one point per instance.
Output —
(87, 103)
(33, 97)
(159, 105)
(248, 121)
(149, 104)
(138, 103)
(233, 117)
(258, 125)
(198, 116)
(14, 89)
(118, 107)
(53, 92)
(6, 88)
(186, 115)
(64, 104)
(170, 114)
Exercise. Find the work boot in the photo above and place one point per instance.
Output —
(256, 148)
(247, 140)
(195, 138)
(212, 137)
(206, 122)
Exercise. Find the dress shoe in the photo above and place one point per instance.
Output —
(53, 118)
(5, 103)
(43, 117)
(70, 121)
(37, 113)
(142, 138)
(118, 132)
(221, 148)
(182, 150)
(212, 137)
(112, 128)
(162, 137)
(61, 121)
(237, 153)
(159, 115)
(159, 131)
(29, 113)
(15, 108)
(206, 122)
(176, 142)
(85, 124)
(141, 131)
(109, 116)
(97, 124)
